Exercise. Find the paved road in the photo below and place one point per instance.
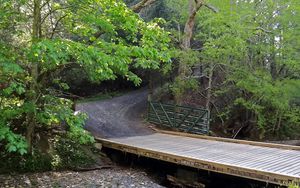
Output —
(117, 117)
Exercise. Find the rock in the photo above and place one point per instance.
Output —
(98, 146)
(113, 178)
(27, 181)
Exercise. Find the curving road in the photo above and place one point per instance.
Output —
(119, 121)
(117, 117)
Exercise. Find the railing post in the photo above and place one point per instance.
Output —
(208, 121)
(171, 124)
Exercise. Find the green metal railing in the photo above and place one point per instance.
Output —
(184, 118)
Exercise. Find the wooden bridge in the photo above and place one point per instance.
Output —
(116, 122)
(271, 163)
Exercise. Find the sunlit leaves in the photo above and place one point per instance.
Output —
(13, 142)
(14, 87)
(254, 48)
(104, 38)
(77, 132)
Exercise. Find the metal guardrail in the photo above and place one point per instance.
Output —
(183, 118)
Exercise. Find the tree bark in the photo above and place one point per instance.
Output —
(142, 4)
(31, 116)
(273, 66)
(36, 25)
(194, 6)
(209, 87)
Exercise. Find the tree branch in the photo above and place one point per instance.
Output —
(45, 3)
(214, 9)
(194, 6)
(52, 11)
(56, 25)
(264, 30)
(142, 4)
(218, 112)
(96, 35)
(43, 75)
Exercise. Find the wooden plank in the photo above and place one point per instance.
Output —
(234, 153)
(294, 171)
(281, 160)
(171, 144)
(238, 156)
(212, 155)
(174, 144)
(286, 168)
(253, 143)
(261, 162)
(226, 156)
(203, 164)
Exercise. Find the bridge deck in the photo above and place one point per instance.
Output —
(274, 164)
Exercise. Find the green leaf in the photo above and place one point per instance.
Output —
(12, 148)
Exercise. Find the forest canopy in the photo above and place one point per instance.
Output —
(242, 63)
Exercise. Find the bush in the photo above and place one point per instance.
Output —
(10, 162)
(293, 185)
(69, 154)
(63, 154)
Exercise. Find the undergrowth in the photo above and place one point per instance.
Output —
(63, 154)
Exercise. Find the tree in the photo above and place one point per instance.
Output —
(105, 38)
(245, 55)
(184, 80)
(142, 4)
(183, 73)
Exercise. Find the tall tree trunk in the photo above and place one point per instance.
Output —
(194, 6)
(36, 25)
(273, 66)
(150, 93)
(209, 87)
(31, 116)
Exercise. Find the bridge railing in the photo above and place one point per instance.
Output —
(183, 118)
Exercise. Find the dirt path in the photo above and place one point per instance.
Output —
(117, 117)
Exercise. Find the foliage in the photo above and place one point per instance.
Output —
(64, 153)
(259, 74)
(251, 47)
(243, 63)
(293, 186)
(42, 38)
(68, 154)
(179, 85)
(10, 162)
